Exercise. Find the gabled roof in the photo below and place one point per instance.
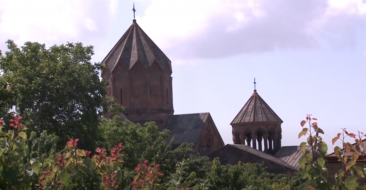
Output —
(188, 127)
(135, 46)
(258, 153)
(256, 110)
(291, 155)
(332, 157)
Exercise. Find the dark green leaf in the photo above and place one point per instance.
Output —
(320, 162)
(302, 162)
(323, 147)
(351, 182)
(64, 176)
(23, 135)
(36, 167)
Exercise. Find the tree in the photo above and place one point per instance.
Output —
(56, 89)
(143, 143)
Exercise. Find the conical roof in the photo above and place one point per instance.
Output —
(133, 47)
(256, 110)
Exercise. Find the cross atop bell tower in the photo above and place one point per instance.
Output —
(255, 88)
(134, 11)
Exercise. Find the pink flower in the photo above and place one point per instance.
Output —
(97, 150)
(72, 143)
(87, 153)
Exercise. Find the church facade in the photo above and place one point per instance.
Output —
(139, 77)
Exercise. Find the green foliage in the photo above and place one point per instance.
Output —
(144, 143)
(243, 176)
(13, 157)
(191, 172)
(313, 168)
(60, 95)
(56, 89)
(35, 162)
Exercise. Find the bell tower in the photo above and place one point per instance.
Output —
(139, 76)
(258, 126)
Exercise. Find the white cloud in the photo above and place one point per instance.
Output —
(90, 24)
(189, 29)
(216, 28)
(55, 21)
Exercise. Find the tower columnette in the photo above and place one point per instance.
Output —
(139, 77)
(258, 126)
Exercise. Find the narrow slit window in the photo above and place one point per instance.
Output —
(167, 96)
(121, 95)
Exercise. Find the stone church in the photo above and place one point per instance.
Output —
(139, 76)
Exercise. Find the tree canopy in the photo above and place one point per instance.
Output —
(56, 89)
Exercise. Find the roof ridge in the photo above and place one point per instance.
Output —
(215, 128)
(115, 45)
(242, 109)
(254, 107)
(262, 153)
(149, 48)
(262, 110)
(270, 109)
(141, 50)
(193, 113)
(149, 39)
(120, 54)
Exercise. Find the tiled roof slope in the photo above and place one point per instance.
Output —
(135, 46)
(261, 154)
(186, 127)
(256, 110)
(290, 155)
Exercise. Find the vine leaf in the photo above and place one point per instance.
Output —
(310, 140)
(352, 135)
(303, 132)
(303, 147)
(303, 122)
(337, 151)
(320, 162)
(334, 139)
(64, 176)
(320, 131)
(23, 135)
(351, 182)
(323, 148)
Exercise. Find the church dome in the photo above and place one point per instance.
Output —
(256, 110)
(134, 47)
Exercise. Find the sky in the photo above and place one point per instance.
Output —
(308, 57)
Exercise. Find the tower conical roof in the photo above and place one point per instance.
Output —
(256, 110)
(133, 47)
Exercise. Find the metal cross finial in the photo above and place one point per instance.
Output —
(134, 10)
(255, 85)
